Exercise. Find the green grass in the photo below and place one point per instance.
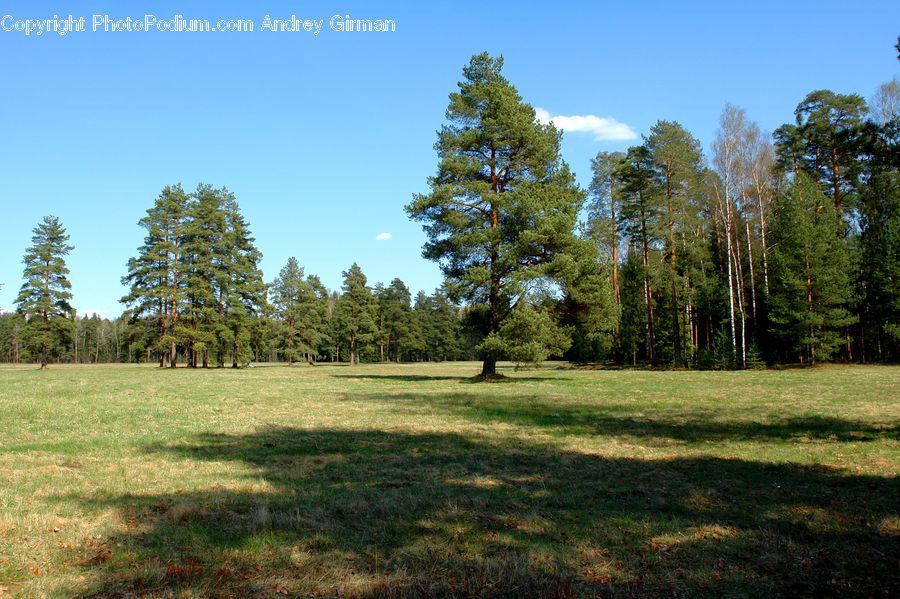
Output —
(415, 481)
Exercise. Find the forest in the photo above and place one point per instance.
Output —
(770, 248)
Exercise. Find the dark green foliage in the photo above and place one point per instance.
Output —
(289, 294)
(12, 347)
(503, 205)
(588, 307)
(44, 296)
(395, 320)
(196, 277)
(811, 274)
(356, 312)
(301, 309)
(436, 331)
(822, 144)
(156, 290)
(879, 207)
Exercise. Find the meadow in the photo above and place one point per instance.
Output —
(414, 480)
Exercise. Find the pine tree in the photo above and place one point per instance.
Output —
(288, 293)
(155, 275)
(315, 332)
(44, 296)
(640, 217)
(300, 305)
(676, 155)
(242, 292)
(397, 314)
(356, 311)
(603, 214)
(503, 205)
(823, 143)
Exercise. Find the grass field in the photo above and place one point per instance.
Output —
(414, 481)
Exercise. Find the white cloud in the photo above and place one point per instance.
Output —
(602, 128)
(383, 237)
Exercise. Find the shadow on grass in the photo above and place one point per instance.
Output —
(400, 377)
(376, 513)
(693, 425)
(461, 379)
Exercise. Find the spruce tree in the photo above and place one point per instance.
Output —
(44, 296)
(811, 268)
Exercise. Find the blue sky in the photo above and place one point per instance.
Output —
(324, 138)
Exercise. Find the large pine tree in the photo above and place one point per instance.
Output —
(44, 296)
(503, 205)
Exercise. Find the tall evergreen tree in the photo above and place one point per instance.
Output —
(879, 206)
(811, 268)
(822, 143)
(289, 291)
(44, 296)
(242, 292)
(602, 221)
(203, 258)
(676, 155)
(356, 311)
(397, 314)
(503, 205)
(640, 218)
(155, 274)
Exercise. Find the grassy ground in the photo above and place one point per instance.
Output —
(414, 481)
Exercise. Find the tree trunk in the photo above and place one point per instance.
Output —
(648, 292)
(489, 366)
(740, 296)
(730, 278)
(752, 286)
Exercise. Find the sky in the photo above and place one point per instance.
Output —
(325, 137)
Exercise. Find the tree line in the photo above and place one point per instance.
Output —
(197, 297)
(770, 248)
